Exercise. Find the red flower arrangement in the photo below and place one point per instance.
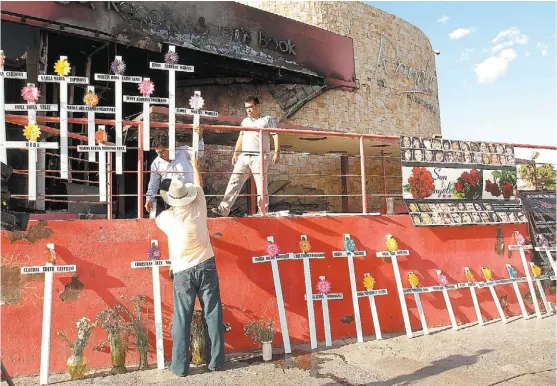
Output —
(468, 185)
(420, 183)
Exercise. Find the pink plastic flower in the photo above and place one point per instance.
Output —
(196, 102)
(442, 279)
(154, 253)
(323, 287)
(519, 238)
(30, 94)
(171, 57)
(273, 250)
(146, 87)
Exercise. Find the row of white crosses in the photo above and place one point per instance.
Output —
(49, 269)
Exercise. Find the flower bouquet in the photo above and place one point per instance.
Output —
(468, 185)
(420, 183)
(504, 183)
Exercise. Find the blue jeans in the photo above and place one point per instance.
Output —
(201, 281)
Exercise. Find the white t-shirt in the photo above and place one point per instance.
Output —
(250, 139)
(188, 236)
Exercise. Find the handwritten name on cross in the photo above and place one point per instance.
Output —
(3, 75)
(63, 82)
(521, 249)
(278, 291)
(91, 110)
(49, 269)
(147, 102)
(371, 294)
(404, 308)
(349, 252)
(30, 145)
(325, 297)
(102, 150)
(172, 68)
(118, 79)
(154, 263)
(196, 103)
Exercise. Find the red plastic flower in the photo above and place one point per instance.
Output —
(507, 190)
(459, 187)
(474, 177)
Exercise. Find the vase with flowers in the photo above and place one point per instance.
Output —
(76, 363)
(118, 329)
(262, 332)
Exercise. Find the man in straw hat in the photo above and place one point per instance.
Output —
(195, 271)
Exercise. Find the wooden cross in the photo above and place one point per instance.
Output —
(3, 75)
(325, 297)
(196, 103)
(278, 292)
(393, 255)
(147, 102)
(91, 110)
(374, 316)
(156, 264)
(118, 79)
(350, 258)
(172, 68)
(63, 81)
(31, 146)
(49, 269)
(521, 249)
(102, 149)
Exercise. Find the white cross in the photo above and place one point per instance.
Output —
(31, 146)
(63, 81)
(448, 301)
(147, 101)
(393, 255)
(521, 249)
(512, 275)
(49, 269)
(490, 284)
(278, 292)
(416, 291)
(156, 264)
(172, 68)
(374, 316)
(472, 286)
(118, 79)
(353, 288)
(548, 251)
(9, 75)
(196, 103)
(539, 280)
(91, 110)
(325, 308)
(102, 149)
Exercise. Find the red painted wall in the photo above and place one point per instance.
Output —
(103, 250)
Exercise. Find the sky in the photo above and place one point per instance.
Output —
(497, 69)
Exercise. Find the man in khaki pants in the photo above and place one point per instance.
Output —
(246, 157)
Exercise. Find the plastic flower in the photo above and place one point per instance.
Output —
(369, 283)
(470, 276)
(512, 272)
(323, 287)
(305, 246)
(50, 255)
(154, 253)
(273, 249)
(30, 94)
(91, 99)
(349, 245)
(442, 279)
(2, 58)
(487, 273)
(100, 136)
(146, 87)
(62, 67)
(413, 279)
(32, 132)
(536, 271)
(391, 243)
(118, 67)
(519, 238)
(196, 102)
(171, 57)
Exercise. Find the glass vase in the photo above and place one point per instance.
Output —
(117, 353)
(77, 366)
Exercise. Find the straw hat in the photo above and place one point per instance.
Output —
(176, 193)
